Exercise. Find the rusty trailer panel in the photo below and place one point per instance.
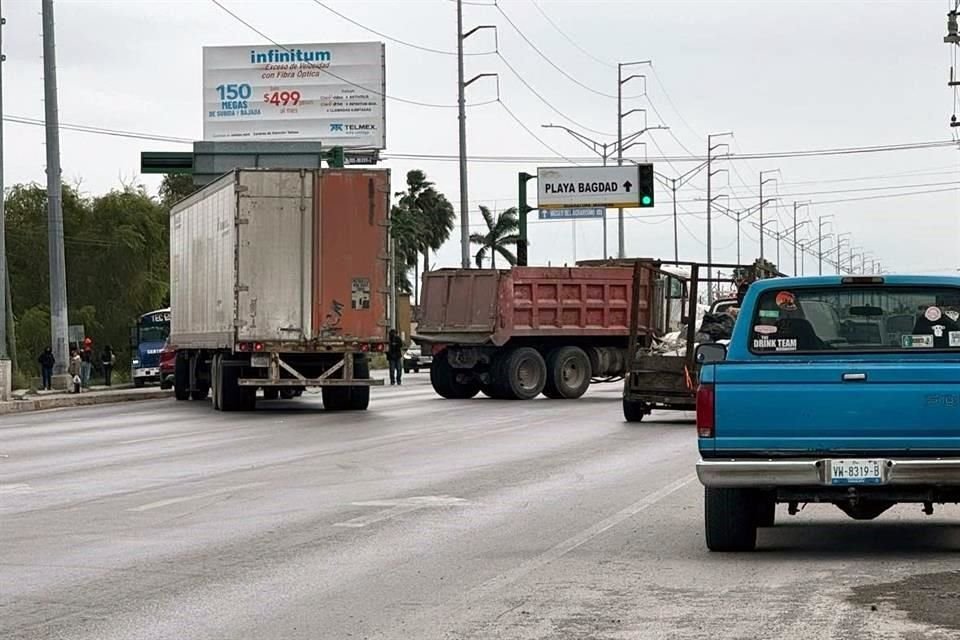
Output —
(483, 306)
(350, 278)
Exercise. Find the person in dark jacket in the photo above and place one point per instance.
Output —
(46, 361)
(107, 360)
(395, 357)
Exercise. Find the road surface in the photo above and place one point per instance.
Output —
(426, 518)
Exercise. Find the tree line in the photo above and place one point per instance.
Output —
(117, 255)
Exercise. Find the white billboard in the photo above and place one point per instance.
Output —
(333, 93)
(580, 187)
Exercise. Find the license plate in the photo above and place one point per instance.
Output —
(856, 471)
(261, 360)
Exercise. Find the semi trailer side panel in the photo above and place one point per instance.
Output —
(351, 286)
(202, 267)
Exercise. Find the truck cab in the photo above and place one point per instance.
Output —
(840, 390)
(148, 339)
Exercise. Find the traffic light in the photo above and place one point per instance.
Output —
(645, 185)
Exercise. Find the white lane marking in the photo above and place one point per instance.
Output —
(495, 585)
(398, 507)
(15, 488)
(196, 496)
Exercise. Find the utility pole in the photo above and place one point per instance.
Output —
(796, 205)
(462, 108)
(3, 218)
(710, 148)
(763, 182)
(821, 222)
(621, 252)
(58, 273)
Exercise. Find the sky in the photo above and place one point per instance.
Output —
(780, 75)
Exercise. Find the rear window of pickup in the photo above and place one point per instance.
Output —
(856, 319)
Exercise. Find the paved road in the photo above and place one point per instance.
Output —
(425, 518)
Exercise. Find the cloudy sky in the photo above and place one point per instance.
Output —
(783, 76)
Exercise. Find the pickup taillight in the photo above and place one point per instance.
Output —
(706, 410)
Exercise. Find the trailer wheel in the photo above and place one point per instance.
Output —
(271, 393)
(233, 397)
(568, 373)
(635, 410)
(181, 378)
(523, 374)
(451, 383)
(730, 519)
(215, 385)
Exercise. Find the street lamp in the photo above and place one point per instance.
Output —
(621, 253)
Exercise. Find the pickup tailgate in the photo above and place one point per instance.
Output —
(836, 406)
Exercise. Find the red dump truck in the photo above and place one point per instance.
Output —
(514, 334)
(278, 281)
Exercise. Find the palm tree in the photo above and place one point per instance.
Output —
(501, 233)
(430, 213)
(422, 221)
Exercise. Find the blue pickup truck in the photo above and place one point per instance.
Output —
(841, 390)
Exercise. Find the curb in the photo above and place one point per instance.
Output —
(81, 400)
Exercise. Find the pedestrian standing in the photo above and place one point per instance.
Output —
(74, 370)
(107, 360)
(86, 367)
(46, 361)
(395, 357)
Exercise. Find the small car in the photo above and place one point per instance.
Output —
(414, 360)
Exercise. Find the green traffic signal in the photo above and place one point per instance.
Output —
(646, 201)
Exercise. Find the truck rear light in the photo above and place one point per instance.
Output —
(380, 347)
(861, 280)
(365, 347)
(258, 346)
(243, 346)
(706, 410)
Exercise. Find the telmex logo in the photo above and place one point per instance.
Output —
(345, 128)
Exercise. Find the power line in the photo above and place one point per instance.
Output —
(506, 63)
(553, 64)
(532, 134)
(385, 36)
(568, 38)
(550, 105)
(98, 130)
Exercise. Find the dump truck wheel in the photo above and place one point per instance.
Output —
(568, 373)
(523, 373)
(450, 383)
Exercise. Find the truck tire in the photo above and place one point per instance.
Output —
(359, 396)
(767, 508)
(271, 393)
(233, 397)
(448, 382)
(568, 373)
(522, 374)
(215, 387)
(181, 379)
(730, 519)
(635, 410)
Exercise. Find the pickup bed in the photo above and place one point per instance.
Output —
(841, 390)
